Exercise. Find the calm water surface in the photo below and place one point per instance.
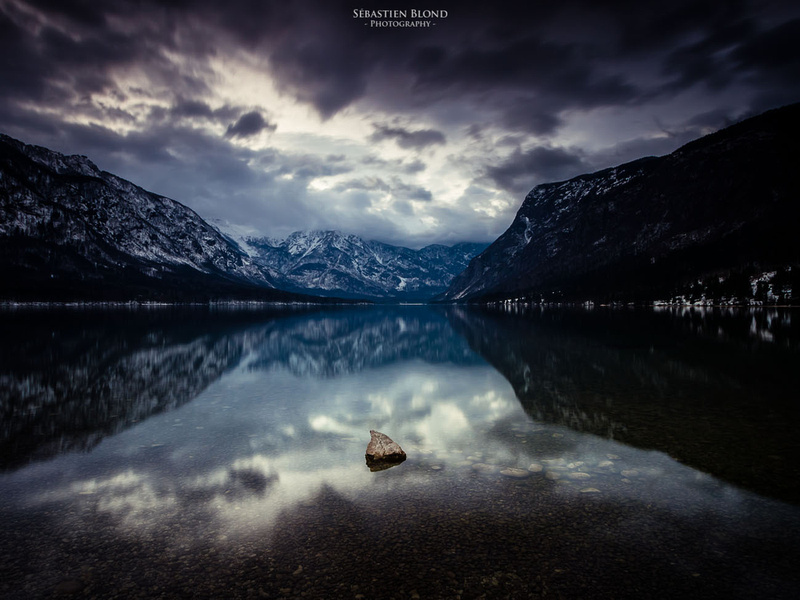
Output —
(551, 454)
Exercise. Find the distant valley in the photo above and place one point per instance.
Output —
(715, 222)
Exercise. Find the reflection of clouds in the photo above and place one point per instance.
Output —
(494, 404)
(265, 469)
(273, 446)
(427, 389)
(326, 424)
(251, 448)
(275, 486)
(382, 404)
(135, 504)
(444, 423)
(130, 496)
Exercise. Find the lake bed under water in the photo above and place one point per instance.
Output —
(555, 454)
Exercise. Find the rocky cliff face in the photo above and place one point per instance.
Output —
(328, 263)
(715, 220)
(71, 231)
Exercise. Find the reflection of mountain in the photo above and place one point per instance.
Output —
(68, 379)
(332, 343)
(688, 385)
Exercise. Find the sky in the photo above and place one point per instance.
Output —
(279, 116)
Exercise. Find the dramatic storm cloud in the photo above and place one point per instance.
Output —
(282, 116)
(250, 124)
(408, 139)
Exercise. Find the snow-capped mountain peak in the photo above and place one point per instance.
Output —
(333, 263)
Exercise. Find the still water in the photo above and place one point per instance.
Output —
(164, 453)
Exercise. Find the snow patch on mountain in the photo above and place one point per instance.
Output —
(713, 221)
(61, 213)
(333, 263)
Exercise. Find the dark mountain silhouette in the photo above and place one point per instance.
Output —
(69, 231)
(715, 221)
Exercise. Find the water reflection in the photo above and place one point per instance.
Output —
(250, 448)
(229, 451)
(696, 384)
(69, 379)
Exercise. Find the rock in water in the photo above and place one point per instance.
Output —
(383, 452)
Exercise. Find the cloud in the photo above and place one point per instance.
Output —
(522, 170)
(405, 138)
(523, 114)
(706, 62)
(174, 95)
(710, 121)
(249, 124)
(396, 188)
(411, 192)
(774, 50)
(71, 59)
(409, 168)
(771, 60)
(543, 77)
(415, 166)
(327, 76)
(192, 108)
(25, 68)
(366, 184)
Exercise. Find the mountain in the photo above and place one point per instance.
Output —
(329, 263)
(69, 231)
(715, 221)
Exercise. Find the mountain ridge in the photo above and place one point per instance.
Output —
(71, 232)
(328, 262)
(712, 222)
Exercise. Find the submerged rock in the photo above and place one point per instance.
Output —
(484, 468)
(515, 473)
(383, 452)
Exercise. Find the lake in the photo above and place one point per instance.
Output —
(552, 453)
